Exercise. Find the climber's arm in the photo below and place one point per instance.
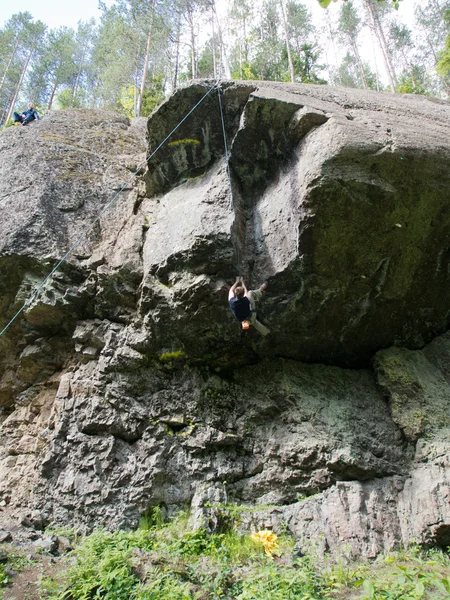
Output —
(244, 286)
(233, 287)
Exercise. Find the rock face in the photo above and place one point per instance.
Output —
(125, 383)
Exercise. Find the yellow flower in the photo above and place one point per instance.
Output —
(269, 540)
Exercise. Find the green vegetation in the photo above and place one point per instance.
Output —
(186, 141)
(12, 562)
(168, 561)
(170, 356)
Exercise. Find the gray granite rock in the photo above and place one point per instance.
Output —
(125, 384)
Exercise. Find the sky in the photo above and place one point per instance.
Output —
(53, 13)
(56, 13)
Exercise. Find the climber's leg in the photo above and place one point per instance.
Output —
(263, 330)
(254, 296)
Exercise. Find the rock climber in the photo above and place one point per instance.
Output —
(243, 304)
(27, 116)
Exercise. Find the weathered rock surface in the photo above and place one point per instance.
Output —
(124, 383)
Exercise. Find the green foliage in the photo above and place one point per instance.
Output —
(151, 519)
(4, 577)
(306, 64)
(167, 561)
(65, 99)
(175, 355)
(12, 563)
(103, 567)
(422, 575)
(443, 66)
(326, 3)
(163, 585)
(349, 74)
(186, 141)
(414, 81)
(276, 582)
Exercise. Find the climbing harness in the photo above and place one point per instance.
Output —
(108, 206)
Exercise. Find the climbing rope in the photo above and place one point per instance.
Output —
(225, 143)
(104, 210)
(227, 156)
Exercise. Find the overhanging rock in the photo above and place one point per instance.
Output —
(340, 198)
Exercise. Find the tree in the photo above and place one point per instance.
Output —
(394, 3)
(33, 34)
(349, 74)
(306, 64)
(18, 41)
(349, 28)
(434, 26)
(55, 66)
(267, 57)
(115, 58)
(240, 16)
(375, 11)
(301, 28)
(443, 66)
(414, 80)
(286, 39)
(84, 42)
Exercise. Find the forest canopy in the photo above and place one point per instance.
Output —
(142, 50)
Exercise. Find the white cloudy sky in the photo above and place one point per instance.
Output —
(56, 13)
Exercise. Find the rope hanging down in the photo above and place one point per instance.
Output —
(104, 210)
(236, 245)
(225, 142)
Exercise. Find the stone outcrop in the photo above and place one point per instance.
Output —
(125, 382)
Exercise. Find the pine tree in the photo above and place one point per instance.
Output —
(349, 28)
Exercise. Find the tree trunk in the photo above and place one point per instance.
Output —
(10, 61)
(382, 42)
(358, 58)
(223, 53)
(240, 61)
(334, 46)
(177, 52)
(286, 38)
(135, 95)
(147, 55)
(19, 85)
(77, 80)
(190, 19)
(386, 49)
(214, 47)
(55, 85)
(374, 58)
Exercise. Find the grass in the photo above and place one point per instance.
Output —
(168, 561)
(13, 562)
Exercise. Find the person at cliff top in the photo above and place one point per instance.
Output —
(243, 305)
(27, 116)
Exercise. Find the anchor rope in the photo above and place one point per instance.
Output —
(227, 157)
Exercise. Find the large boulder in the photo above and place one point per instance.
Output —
(125, 382)
(340, 198)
